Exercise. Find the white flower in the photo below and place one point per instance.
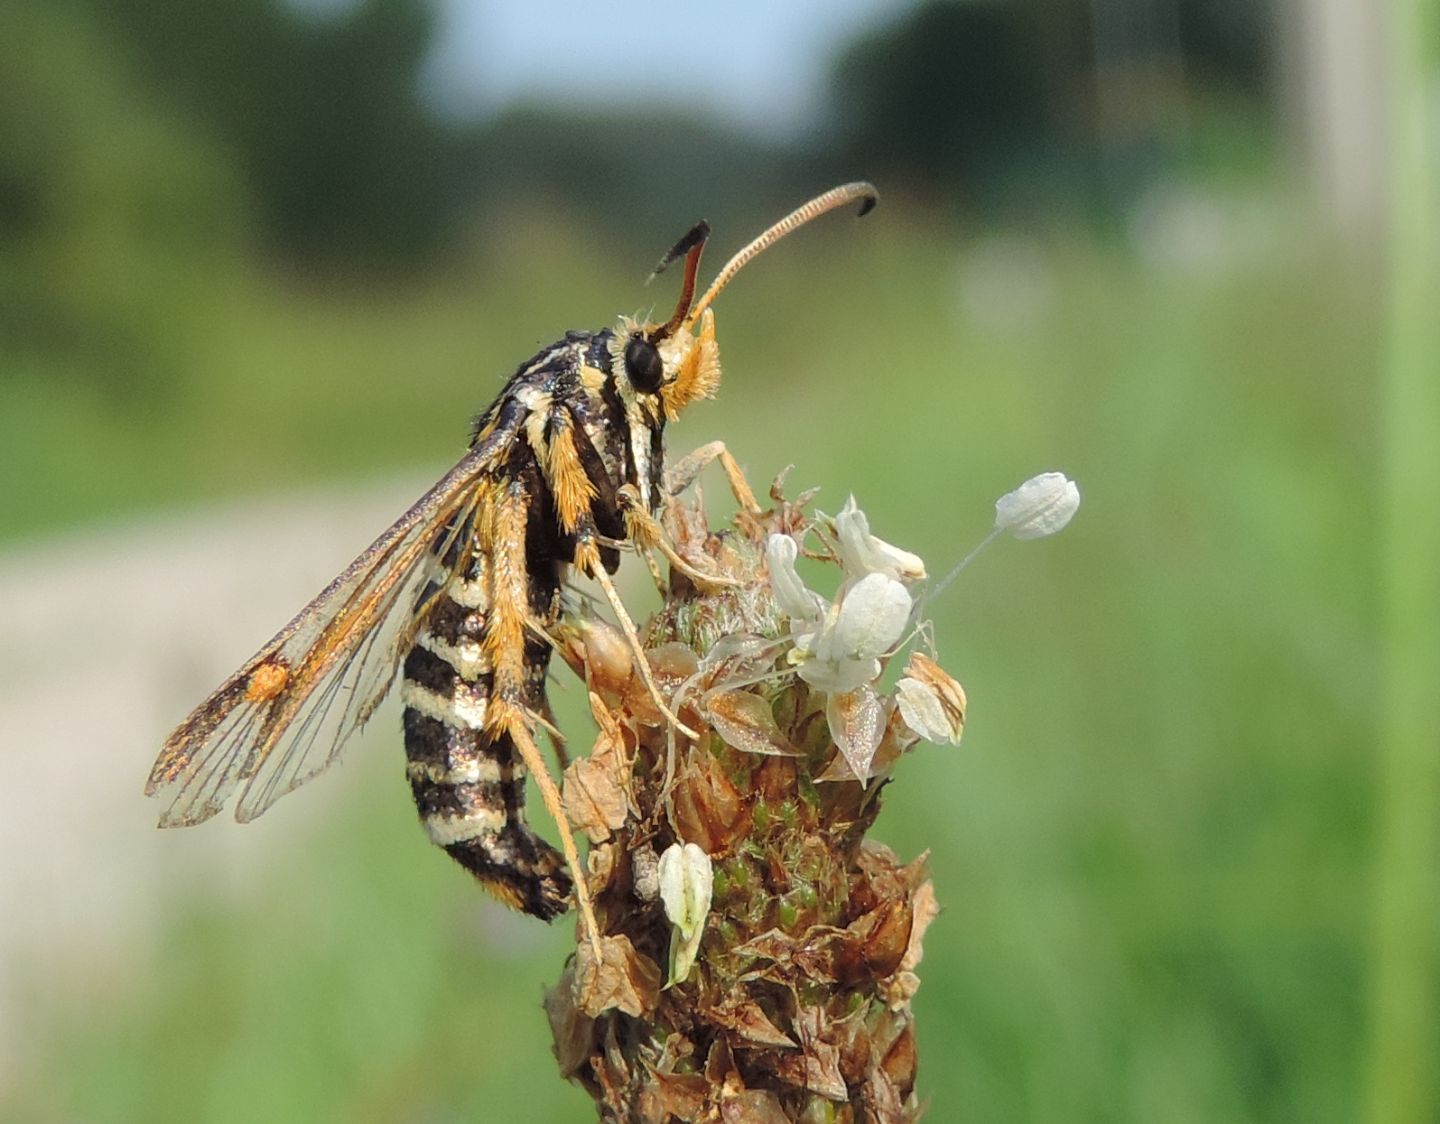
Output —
(839, 645)
(862, 553)
(686, 880)
(1039, 507)
(862, 626)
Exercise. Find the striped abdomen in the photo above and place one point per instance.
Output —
(467, 778)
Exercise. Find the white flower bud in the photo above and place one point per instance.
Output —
(686, 879)
(1039, 507)
(862, 553)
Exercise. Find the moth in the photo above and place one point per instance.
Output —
(460, 597)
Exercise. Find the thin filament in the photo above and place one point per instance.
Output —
(940, 586)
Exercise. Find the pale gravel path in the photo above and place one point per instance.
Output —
(110, 636)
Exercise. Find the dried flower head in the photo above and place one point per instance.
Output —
(739, 856)
(792, 941)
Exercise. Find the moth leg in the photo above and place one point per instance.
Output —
(519, 731)
(647, 533)
(633, 543)
(575, 493)
(683, 472)
(661, 585)
(515, 695)
(640, 542)
(627, 626)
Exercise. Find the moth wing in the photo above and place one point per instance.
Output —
(289, 711)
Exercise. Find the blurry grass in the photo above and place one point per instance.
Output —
(1153, 848)
(263, 385)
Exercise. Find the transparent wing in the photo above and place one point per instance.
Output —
(286, 715)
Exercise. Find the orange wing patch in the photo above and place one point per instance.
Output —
(267, 681)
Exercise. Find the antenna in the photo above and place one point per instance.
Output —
(835, 197)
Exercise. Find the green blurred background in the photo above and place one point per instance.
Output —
(262, 260)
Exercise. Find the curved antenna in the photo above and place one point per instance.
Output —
(835, 197)
(691, 246)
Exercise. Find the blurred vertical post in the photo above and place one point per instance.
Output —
(1404, 1082)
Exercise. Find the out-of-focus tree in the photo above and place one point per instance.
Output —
(954, 94)
(322, 108)
(644, 174)
(1230, 45)
(995, 101)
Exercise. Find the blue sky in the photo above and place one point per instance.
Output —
(757, 63)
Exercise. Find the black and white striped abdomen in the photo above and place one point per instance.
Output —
(468, 781)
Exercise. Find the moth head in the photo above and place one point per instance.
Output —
(669, 360)
(679, 360)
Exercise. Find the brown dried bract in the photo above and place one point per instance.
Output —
(746, 721)
(709, 810)
(596, 788)
(750, 1023)
(624, 981)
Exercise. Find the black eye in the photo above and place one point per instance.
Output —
(643, 365)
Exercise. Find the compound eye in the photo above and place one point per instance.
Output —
(643, 365)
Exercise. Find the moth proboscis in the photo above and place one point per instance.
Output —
(461, 594)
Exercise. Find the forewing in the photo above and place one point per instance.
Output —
(286, 715)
